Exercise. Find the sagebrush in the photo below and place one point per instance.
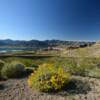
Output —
(13, 70)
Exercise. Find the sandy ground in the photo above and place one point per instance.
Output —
(17, 89)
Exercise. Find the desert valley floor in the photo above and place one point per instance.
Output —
(17, 89)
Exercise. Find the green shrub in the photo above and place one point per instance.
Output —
(13, 70)
(48, 78)
(29, 70)
(34, 66)
(2, 63)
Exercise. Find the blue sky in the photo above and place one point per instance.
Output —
(50, 19)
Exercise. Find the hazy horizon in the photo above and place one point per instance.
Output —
(70, 20)
(51, 40)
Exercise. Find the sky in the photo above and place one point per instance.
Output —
(50, 19)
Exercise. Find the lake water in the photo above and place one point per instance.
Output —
(4, 50)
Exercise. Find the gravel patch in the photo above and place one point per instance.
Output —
(84, 89)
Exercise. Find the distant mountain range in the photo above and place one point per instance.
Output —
(42, 44)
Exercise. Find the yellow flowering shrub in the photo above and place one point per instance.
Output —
(48, 78)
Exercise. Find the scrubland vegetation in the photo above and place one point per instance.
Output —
(84, 66)
(76, 66)
(53, 74)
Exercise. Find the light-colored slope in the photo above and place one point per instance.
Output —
(93, 51)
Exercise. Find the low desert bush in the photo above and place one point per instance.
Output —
(48, 78)
(2, 63)
(34, 66)
(13, 70)
(31, 69)
(94, 73)
(81, 66)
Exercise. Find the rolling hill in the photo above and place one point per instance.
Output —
(43, 44)
(91, 51)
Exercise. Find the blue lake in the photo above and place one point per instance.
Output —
(4, 50)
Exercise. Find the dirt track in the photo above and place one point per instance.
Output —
(17, 89)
